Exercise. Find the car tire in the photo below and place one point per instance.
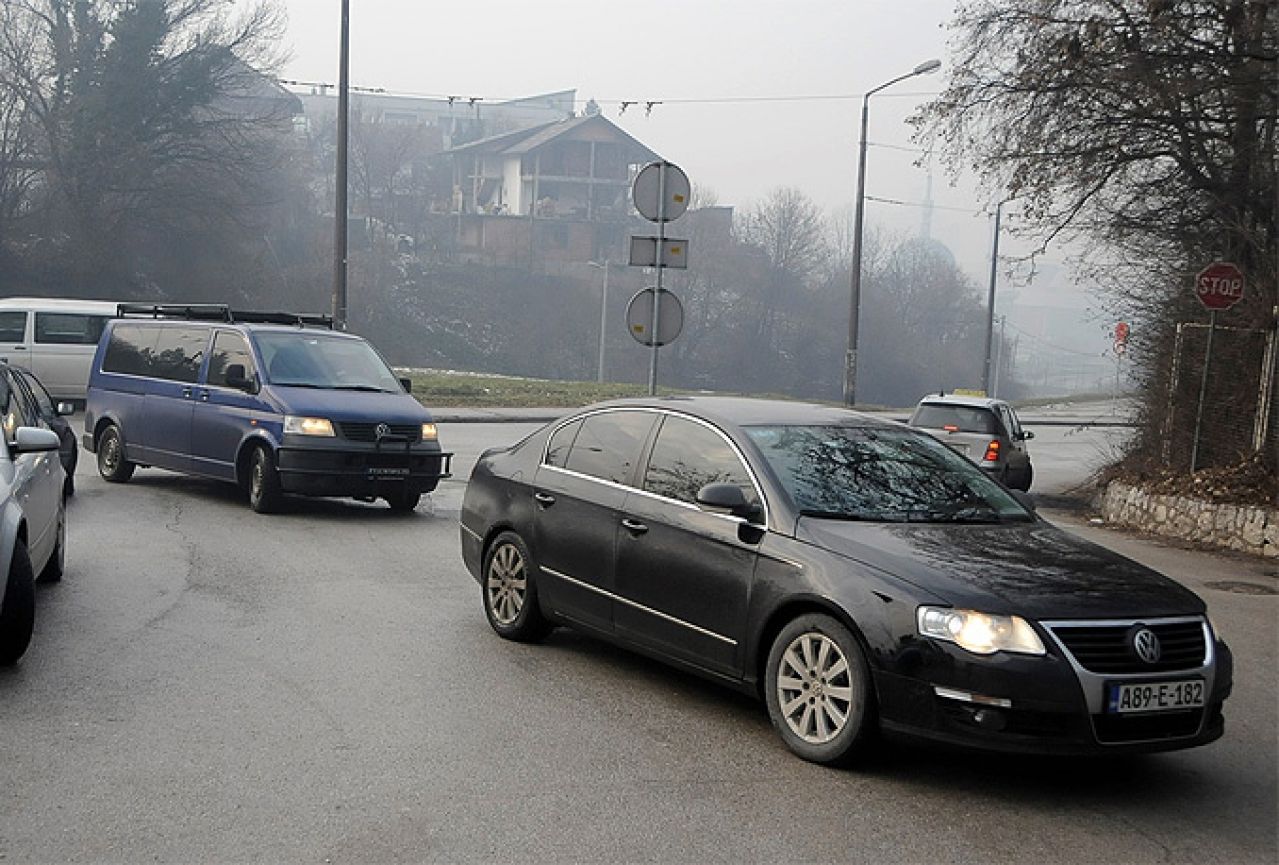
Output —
(18, 612)
(509, 591)
(1027, 479)
(265, 494)
(111, 462)
(817, 686)
(404, 502)
(53, 568)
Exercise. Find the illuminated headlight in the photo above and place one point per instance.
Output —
(307, 426)
(428, 432)
(979, 633)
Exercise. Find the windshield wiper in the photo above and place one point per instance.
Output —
(299, 384)
(835, 515)
(368, 388)
(956, 515)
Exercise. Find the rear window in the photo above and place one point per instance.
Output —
(62, 328)
(965, 418)
(13, 326)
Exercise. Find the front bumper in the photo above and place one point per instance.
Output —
(338, 467)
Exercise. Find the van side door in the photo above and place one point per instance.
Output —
(224, 414)
(169, 402)
(13, 338)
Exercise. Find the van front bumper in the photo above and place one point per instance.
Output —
(344, 468)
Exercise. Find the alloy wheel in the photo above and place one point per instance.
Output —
(506, 584)
(813, 688)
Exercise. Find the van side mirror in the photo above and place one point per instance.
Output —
(1027, 435)
(407, 384)
(65, 409)
(237, 377)
(728, 498)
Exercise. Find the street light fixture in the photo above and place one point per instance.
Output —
(599, 374)
(850, 359)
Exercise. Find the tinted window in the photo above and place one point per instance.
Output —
(179, 352)
(13, 326)
(609, 443)
(131, 349)
(63, 328)
(229, 349)
(687, 456)
(964, 418)
(17, 407)
(43, 401)
(557, 448)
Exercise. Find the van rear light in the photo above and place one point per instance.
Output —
(992, 452)
(950, 427)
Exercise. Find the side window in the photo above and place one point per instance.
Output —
(229, 349)
(13, 326)
(131, 350)
(61, 328)
(609, 443)
(18, 406)
(43, 401)
(1014, 425)
(179, 351)
(558, 447)
(687, 456)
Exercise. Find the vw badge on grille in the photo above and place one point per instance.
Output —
(1146, 644)
(383, 430)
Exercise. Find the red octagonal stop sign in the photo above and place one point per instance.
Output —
(1219, 285)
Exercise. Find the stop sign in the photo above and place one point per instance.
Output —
(1219, 285)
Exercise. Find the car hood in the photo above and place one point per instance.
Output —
(348, 405)
(1027, 569)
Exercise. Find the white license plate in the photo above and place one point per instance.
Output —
(1155, 696)
(387, 473)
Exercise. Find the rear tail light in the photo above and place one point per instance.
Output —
(992, 452)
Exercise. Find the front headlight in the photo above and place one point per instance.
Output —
(979, 633)
(307, 426)
(428, 432)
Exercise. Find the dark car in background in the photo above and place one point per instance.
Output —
(985, 430)
(55, 416)
(858, 575)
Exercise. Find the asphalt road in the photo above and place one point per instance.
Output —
(210, 685)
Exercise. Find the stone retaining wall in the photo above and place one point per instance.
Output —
(1247, 528)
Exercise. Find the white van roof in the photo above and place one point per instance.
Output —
(59, 304)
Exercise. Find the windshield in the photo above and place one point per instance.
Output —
(882, 474)
(308, 359)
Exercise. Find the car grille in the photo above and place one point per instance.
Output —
(1105, 648)
(1116, 729)
(367, 432)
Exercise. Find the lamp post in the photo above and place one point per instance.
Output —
(339, 197)
(850, 359)
(599, 375)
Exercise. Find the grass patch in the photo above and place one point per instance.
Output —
(441, 389)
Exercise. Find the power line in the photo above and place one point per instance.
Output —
(895, 201)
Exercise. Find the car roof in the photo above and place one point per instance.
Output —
(961, 399)
(749, 411)
(58, 303)
(247, 326)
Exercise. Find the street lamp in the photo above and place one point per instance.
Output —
(599, 375)
(339, 196)
(850, 359)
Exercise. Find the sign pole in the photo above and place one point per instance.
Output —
(657, 295)
(1203, 389)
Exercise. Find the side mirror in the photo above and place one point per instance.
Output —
(30, 439)
(65, 409)
(728, 498)
(1027, 435)
(1023, 499)
(407, 384)
(237, 377)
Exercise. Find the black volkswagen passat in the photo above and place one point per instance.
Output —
(860, 576)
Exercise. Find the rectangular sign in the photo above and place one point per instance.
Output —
(644, 253)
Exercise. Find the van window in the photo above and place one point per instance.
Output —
(63, 328)
(13, 326)
(179, 351)
(229, 349)
(130, 350)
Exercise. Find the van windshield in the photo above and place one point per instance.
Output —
(308, 359)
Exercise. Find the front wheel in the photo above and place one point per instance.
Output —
(18, 611)
(265, 494)
(111, 462)
(510, 591)
(817, 685)
(403, 502)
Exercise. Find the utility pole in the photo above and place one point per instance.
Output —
(990, 304)
(339, 198)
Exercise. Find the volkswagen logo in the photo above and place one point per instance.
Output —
(383, 430)
(1146, 644)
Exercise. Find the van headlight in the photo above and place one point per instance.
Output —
(429, 433)
(979, 633)
(307, 426)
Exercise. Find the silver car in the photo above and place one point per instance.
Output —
(985, 430)
(33, 519)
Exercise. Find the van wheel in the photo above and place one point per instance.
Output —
(265, 495)
(403, 502)
(18, 613)
(111, 462)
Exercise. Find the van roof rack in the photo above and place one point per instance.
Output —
(221, 312)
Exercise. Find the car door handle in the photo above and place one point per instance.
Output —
(544, 499)
(635, 527)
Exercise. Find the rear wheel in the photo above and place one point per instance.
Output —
(18, 611)
(111, 462)
(510, 591)
(1027, 478)
(265, 495)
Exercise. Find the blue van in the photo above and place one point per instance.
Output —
(275, 402)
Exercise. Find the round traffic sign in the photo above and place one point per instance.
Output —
(1220, 285)
(658, 198)
(639, 317)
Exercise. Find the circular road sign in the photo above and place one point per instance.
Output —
(1220, 285)
(647, 191)
(639, 317)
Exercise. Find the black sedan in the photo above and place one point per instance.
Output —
(858, 575)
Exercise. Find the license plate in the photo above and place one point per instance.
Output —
(381, 473)
(1127, 699)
